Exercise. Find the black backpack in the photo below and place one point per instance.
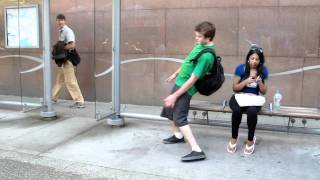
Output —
(214, 79)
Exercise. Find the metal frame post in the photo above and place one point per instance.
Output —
(116, 120)
(47, 110)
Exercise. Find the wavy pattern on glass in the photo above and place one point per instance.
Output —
(308, 68)
(27, 57)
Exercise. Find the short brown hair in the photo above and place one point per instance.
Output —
(61, 17)
(207, 29)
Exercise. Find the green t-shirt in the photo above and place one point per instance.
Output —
(205, 63)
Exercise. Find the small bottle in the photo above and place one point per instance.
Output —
(277, 101)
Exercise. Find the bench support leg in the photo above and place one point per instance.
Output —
(288, 127)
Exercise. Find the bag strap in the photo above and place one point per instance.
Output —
(206, 50)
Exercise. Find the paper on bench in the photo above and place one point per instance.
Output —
(245, 99)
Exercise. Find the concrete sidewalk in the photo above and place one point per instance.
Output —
(77, 147)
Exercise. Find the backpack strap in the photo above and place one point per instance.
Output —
(206, 50)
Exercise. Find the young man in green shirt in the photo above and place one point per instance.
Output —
(176, 105)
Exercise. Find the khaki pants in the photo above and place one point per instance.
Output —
(66, 75)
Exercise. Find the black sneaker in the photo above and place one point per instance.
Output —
(172, 140)
(194, 156)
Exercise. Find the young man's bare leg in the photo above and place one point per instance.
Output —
(176, 138)
(196, 153)
(186, 131)
(176, 131)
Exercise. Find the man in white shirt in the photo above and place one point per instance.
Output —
(66, 75)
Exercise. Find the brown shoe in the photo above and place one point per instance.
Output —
(77, 105)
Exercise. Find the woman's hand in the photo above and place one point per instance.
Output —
(249, 80)
(173, 76)
(259, 79)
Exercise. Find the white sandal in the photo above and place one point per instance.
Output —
(250, 149)
(232, 146)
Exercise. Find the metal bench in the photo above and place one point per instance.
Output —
(290, 112)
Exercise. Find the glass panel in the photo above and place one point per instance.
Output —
(10, 86)
(155, 30)
(20, 88)
(80, 18)
(103, 58)
(31, 73)
(145, 57)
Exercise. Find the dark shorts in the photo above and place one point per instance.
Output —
(179, 113)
